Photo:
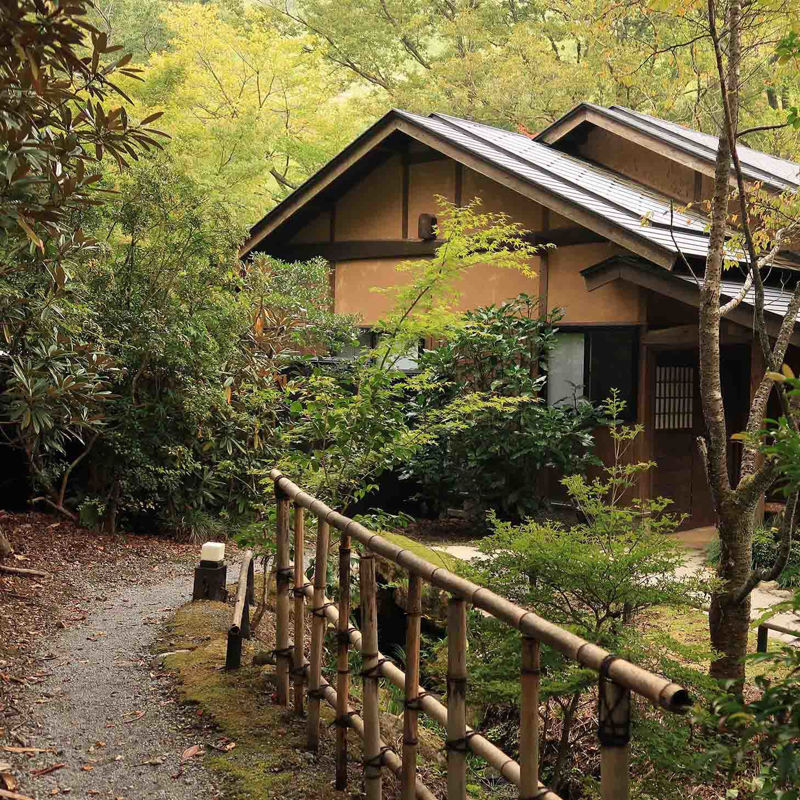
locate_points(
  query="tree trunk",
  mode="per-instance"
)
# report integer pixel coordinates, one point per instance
(729, 620)
(5, 547)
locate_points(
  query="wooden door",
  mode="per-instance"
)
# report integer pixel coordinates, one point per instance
(677, 421)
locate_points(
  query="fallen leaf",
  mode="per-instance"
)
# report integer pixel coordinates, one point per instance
(87, 767)
(137, 716)
(190, 752)
(8, 781)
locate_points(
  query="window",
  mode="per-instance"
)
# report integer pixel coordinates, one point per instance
(566, 368)
(369, 339)
(592, 362)
(674, 398)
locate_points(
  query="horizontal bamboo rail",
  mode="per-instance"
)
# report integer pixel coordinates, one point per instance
(763, 634)
(618, 678)
(240, 626)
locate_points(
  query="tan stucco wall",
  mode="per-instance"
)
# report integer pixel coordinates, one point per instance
(425, 181)
(373, 208)
(317, 230)
(500, 199)
(639, 163)
(615, 303)
(481, 285)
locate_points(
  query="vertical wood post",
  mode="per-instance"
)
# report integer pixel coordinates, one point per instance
(408, 777)
(283, 582)
(529, 719)
(456, 699)
(763, 639)
(369, 658)
(343, 663)
(318, 625)
(299, 608)
(614, 732)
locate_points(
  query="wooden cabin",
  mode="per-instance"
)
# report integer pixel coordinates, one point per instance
(609, 187)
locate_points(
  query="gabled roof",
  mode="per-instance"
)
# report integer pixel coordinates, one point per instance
(638, 218)
(777, 173)
(623, 211)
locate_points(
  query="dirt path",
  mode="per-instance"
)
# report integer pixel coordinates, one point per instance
(107, 711)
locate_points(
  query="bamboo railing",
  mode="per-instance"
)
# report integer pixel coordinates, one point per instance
(240, 625)
(617, 678)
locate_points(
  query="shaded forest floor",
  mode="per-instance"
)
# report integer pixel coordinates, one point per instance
(84, 710)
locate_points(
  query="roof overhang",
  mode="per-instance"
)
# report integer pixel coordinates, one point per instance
(648, 276)
(395, 121)
(614, 121)
(585, 113)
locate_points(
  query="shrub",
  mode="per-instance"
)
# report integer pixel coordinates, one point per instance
(495, 461)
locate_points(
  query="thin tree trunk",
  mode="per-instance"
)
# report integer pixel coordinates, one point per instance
(729, 618)
(5, 547)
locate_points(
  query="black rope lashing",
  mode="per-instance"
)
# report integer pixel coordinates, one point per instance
(285, 572)
(283, 652)
(344, 720)
(375, 670)
(611, 731)
(343, 637)
(460, 745)
(316, 694)
(413, 703)
(530, 671)
(299, 591)
(379, 759)
(299, 671)
(319, 611)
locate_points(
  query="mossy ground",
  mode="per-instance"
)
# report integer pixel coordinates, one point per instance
(269, 759)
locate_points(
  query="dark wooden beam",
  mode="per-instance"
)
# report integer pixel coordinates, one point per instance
(405, 248)
(458, 198)
(405, 193)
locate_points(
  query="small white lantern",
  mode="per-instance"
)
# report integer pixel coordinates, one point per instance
(213, 551)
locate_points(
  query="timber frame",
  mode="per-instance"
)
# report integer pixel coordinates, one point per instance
(376, 144)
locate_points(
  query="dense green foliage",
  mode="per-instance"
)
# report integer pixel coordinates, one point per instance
(596, 578)
(495, 461)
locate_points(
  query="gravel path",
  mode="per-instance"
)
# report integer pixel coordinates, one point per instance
(107, 711)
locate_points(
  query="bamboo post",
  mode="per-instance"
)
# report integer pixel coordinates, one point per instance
(343, 663)
(318, 625)
(456, 699)
(282, 583)
(299, 609)
(763, 639)
(411, 712)
(371, 666)
(614, 732)
(529, 718)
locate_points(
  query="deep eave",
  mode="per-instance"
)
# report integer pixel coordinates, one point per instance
(686, 289)
(672, 141)
(408, 124)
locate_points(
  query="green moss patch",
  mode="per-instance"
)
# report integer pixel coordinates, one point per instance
(269, 759)
(436, 557)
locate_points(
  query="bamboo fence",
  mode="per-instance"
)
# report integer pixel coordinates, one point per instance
(617, 678)
(240, 626)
